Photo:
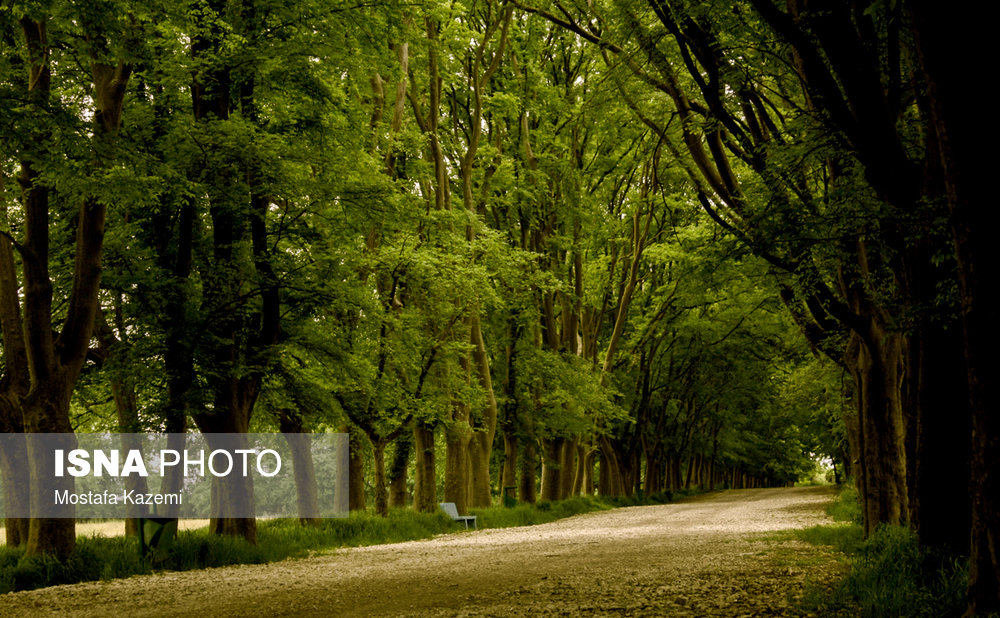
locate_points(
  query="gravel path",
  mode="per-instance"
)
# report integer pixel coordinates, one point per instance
(710, 556)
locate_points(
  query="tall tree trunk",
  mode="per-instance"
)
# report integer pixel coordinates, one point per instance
(567, 467)
(458, 434)
(232, 494)
(943, 38)
(54, 359)
(381, 488)
(508, 477)
(529, 461)
(588, 471)
(356, 470)
(47, 411)
(551, 468)
(611, 478)
(14, 385)
(941, 442)
(877, 369)
(398, 471)
(424, 476)
(482, 441)
(654, 479)
(15, 492)
(581, 468)
(456, 472)
(126, 408)
(306, 488)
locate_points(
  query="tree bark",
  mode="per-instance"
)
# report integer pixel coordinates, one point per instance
(877, 367)
(482, 440)
(306, 488)
(424, 476)
(381, 487)
(943, 38)
(54, 359)
(233, 494)
(356, 470)
(529, 462)
(14, 385)
(398, 471)
(551, 469)
(456, 472)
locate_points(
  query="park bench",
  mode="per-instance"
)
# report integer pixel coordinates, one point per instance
(452, 511)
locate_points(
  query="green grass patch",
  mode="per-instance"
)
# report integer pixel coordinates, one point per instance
(846, 538)
(890, 574)
(847, 506)
(114, 557)
(539, 513)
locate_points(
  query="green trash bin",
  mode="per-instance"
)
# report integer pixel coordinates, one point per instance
(156, 537)
(510, 496)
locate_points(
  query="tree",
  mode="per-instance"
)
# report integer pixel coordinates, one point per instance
(800, 117)
(52, 359)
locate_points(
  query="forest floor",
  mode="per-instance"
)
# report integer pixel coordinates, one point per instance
(719, 554)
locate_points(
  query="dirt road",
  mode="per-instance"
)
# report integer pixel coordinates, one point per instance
(706, 557)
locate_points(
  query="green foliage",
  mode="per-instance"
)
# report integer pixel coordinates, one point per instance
(813, 393)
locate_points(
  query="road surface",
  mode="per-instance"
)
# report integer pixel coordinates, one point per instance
(715, 555)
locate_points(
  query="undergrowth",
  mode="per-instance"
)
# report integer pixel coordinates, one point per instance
(109, 558)
(890, 576)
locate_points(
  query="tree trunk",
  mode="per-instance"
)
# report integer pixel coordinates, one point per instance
(938, 511)
(173, 479)
(877, 367)
(54, 357)
(306, 488)
(943, 38)
(136, 484)
(458, 435)
(654, 477)
(398, 471)
(509, 475)
(381, 490)
(529, 461)
(611, 482)
(482, 446)
(15, 492)
(579, 477)
(588, 472)
(42, 415)
(567, 467)
(456, 471)
(551, 469)
(690, 472)
(13, 388)
(232, 494)
(424, 476)
(356, 470)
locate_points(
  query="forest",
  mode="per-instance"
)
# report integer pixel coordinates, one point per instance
(549, 247)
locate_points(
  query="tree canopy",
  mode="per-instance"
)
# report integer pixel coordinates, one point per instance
(618, 246)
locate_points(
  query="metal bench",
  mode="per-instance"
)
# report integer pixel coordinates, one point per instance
(452, 511)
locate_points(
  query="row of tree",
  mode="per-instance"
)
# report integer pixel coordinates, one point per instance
(561, 231)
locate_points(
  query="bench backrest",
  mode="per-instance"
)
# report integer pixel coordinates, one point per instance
(450, 509)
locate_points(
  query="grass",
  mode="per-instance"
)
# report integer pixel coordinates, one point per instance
(890, 574)
(105, 558)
